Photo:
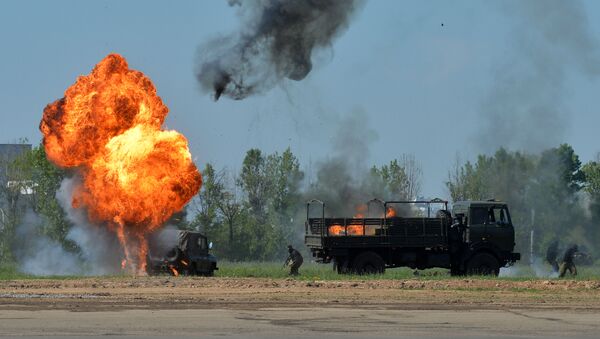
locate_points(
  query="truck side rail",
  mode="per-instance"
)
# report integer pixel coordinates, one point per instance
(364, 226)
(326, 227)
(308, 222)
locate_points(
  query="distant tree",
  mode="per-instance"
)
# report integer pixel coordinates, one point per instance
(255, 182)
(272, 198)
(592, 175)
(592, 188)
(542, 190)
(394, 180)
(400, 179)
(230, 207)
(30, 182)
(285, 196)
(207, 201)
(553, 194)
(47, 179)
(414, 175)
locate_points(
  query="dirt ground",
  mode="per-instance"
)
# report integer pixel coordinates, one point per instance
(248, 307)
(197, 292)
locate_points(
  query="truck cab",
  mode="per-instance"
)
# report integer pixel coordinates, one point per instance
(488, 227)
(181, 252)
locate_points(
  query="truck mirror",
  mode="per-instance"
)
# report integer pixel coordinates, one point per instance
(210, 245)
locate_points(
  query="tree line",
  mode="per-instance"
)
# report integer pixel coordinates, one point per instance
(551, 193)
(254, 213)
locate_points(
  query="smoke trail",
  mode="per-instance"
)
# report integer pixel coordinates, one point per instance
(276, 41)
(524, 109)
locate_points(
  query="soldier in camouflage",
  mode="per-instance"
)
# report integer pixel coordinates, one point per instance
(294, 260)
(568, 263)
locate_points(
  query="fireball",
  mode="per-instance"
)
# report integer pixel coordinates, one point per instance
(108, 130)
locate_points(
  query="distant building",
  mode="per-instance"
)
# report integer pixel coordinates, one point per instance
(8, 154)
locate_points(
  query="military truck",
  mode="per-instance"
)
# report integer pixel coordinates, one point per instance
(477, 237)
(180, 252)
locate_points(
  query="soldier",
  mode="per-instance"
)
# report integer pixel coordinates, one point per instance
(294, 260)
(456, 236)
(567, 262)
(552, 255)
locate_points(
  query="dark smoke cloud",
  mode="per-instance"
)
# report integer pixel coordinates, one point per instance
(345, 181)
(525, 108)
(340, 179)
(276, 41)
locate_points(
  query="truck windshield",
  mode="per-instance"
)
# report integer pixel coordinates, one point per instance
(202, 243)
(499, 215)
(489, 215)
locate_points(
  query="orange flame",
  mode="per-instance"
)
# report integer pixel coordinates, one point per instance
(390, 212)
(361, 210)
(355, 230)
(134, 175)
(337, 230)
(173, 270)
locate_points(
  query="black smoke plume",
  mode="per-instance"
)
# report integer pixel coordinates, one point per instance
(276, 41)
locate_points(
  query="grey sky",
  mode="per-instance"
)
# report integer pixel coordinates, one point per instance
(421, 84)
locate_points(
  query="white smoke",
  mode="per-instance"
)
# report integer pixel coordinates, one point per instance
(537, 268)
(100, 253)
(41, 255)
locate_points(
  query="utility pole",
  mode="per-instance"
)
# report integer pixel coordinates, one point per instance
(531, 237)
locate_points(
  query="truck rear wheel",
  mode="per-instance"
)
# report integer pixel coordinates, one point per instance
(455, 271)
(483, 264)
(340, 265)
(174, 255)
(368, 263)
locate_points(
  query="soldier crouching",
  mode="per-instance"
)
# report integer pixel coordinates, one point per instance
(294, 260)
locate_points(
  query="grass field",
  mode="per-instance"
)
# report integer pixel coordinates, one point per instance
(313, 271)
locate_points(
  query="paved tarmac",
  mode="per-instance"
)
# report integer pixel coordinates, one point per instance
(318, 322)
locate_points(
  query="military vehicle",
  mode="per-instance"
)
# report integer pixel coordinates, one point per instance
(476, 238)
(180, 252)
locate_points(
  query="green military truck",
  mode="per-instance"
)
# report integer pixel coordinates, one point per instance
(476, 238)
(178, 252)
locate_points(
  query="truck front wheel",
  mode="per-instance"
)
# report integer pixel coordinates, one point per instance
(483, 264)
(368, 263)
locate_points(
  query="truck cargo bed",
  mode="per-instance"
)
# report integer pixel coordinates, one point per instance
(377, 232)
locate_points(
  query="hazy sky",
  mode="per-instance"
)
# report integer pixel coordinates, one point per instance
(423, 86)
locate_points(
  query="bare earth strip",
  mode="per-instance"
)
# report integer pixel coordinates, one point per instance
(252, 307)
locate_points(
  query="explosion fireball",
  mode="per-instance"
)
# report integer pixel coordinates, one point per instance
(134, 175)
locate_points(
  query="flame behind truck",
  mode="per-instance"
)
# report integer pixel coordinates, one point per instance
(477, 237)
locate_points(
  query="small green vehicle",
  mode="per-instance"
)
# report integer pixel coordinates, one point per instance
(477, 237)
(180, 252)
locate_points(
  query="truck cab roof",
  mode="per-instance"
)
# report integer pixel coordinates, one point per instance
(462, 207)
